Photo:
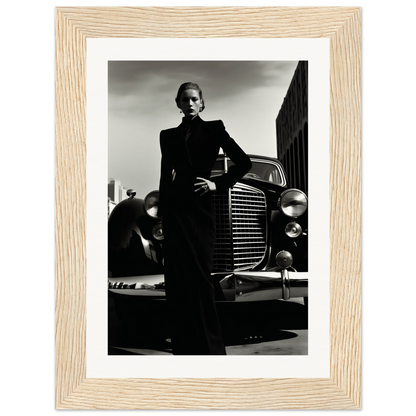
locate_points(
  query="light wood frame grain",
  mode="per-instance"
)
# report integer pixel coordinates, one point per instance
(343, 27)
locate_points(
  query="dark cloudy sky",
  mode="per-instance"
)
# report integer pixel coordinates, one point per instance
(246, 96)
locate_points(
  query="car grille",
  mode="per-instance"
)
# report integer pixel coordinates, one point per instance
(241, 241)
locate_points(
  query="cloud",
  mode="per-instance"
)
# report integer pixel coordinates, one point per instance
(216, 77)
(246, 95)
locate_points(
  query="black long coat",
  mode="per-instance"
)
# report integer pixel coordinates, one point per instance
(189, 229)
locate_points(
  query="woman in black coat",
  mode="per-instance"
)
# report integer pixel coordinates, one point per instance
(189, 152)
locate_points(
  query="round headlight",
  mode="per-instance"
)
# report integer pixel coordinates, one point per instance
(151, 203)
(284, 259)
(293, 202)
(293, 230)
(158, 232)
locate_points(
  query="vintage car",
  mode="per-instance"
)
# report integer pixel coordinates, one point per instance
(260, 252)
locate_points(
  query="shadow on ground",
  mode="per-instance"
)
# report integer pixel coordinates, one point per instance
(144, 330)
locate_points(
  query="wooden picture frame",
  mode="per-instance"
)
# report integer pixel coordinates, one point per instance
(342, 26)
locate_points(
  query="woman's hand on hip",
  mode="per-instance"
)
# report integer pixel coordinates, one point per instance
(205, 186)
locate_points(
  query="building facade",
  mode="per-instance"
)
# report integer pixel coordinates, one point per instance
(292, 130)
(116, 194)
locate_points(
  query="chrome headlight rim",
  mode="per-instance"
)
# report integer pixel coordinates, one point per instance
(286, 203)
(284, 259)
(157, 232)
(151, 204)
(293, 229)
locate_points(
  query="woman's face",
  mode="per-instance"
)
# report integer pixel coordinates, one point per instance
(190, 103)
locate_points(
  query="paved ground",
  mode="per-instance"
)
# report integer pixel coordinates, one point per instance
(293, 342)
(267, 328)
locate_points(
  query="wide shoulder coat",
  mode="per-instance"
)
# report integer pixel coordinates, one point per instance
(189, 151)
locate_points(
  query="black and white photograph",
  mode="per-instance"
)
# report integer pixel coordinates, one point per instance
(208, 207)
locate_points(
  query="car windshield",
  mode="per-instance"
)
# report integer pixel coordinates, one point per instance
(265, 171)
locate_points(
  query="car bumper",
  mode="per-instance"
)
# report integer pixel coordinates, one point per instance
(235, 287)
